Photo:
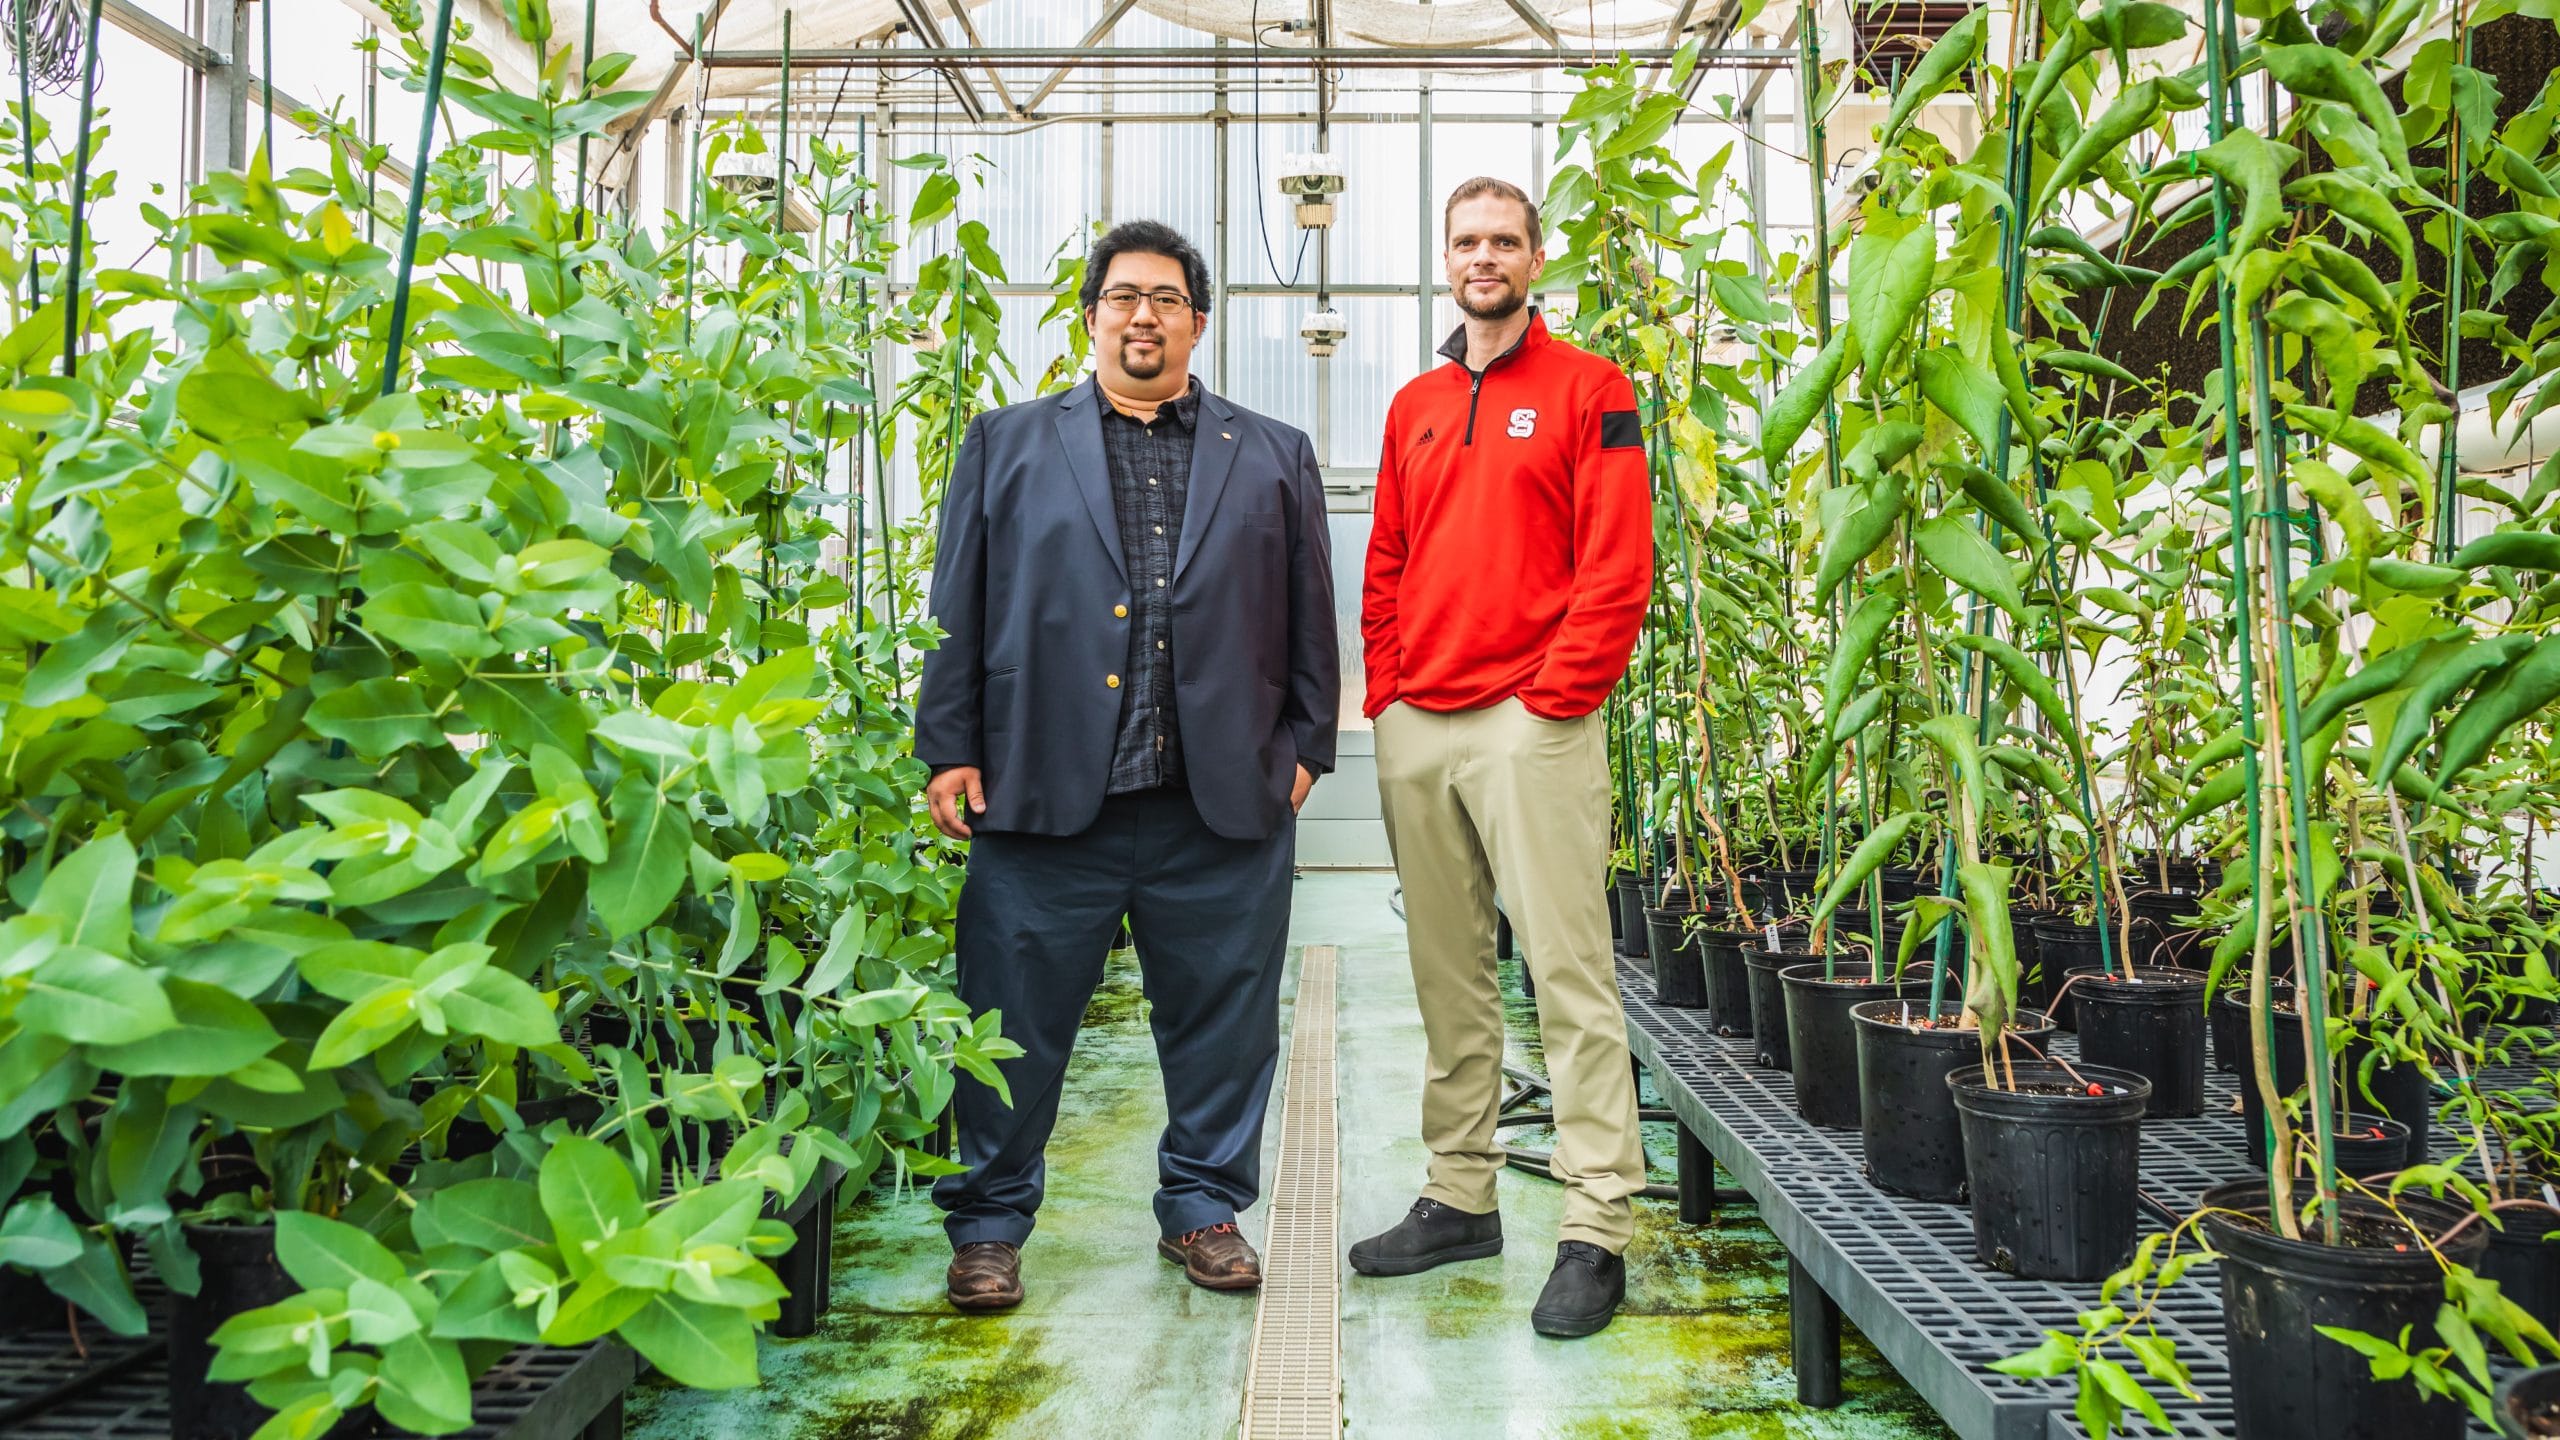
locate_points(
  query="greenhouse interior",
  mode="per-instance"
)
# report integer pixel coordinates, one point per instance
(659, 656)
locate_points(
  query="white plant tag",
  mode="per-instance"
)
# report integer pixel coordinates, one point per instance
(1773, 934)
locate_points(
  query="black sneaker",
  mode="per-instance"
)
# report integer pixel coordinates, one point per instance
(1430, 1234)
(1584, 1291)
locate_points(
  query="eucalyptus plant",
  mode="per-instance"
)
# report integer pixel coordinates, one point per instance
(386, 709)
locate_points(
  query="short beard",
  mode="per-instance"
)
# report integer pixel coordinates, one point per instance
(1140, 368)
(1502, 309)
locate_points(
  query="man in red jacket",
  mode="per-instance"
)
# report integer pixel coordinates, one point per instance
(1510, 561)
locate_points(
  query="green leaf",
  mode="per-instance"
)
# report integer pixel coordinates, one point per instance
(92, 998)
(1957, 551)
(1890, 267)
(2256, 166)
(1967, 393)
(324, 1254)
(706, 1347)
(35, 1235)
(2119, 123)
(1869, 857)
(2031, 681)
(1804, 397)
(2057, 1355)
(216, 1033)
(645, 870)
(589, 1196)
(425, 1387)
(2316, 72)
(490, 1215)
(376, 717)
(430, 621)
(1945, 61)
(89, 894)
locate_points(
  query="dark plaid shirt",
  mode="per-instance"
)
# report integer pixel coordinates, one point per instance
(1150, 481)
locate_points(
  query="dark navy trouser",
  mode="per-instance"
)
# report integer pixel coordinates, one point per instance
(1038, 917)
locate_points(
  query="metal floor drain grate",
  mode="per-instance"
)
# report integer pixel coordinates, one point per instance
(1293, 1387)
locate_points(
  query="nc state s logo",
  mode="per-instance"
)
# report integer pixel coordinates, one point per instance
(1524, 423)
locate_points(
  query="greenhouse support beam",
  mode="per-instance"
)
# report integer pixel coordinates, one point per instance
(920, 20)
(226, 82)
(995, 77)
(1100, 32)
(1338, 57)
(1544, 27)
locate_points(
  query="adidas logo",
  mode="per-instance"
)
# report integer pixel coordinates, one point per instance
(1427, 433)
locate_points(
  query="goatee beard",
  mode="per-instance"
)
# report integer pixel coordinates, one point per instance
(1501, 309)
(1140, 367)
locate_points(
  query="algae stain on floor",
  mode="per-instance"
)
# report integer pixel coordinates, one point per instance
(1113, 1345)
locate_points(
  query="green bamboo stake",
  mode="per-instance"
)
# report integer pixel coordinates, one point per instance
(782, 140)
(27, 137)
(2458, 254)
(693, 188)
(2306, 928)
(72, 263)
(586, 63)
(1817, 140)
(267, 78)
(417, 196)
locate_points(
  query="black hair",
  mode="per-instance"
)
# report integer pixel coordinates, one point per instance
(1145, 237)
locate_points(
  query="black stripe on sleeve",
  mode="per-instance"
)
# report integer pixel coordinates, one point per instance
(1621, 430)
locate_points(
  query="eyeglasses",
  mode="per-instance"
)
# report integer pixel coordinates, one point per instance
(1125, 298)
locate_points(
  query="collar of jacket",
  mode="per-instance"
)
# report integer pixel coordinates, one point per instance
(1455, 347)
(1089, 391)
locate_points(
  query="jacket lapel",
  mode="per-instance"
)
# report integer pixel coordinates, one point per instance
(1213, 455)
(1080, 437)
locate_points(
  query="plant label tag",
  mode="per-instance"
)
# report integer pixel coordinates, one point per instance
(1773, 934)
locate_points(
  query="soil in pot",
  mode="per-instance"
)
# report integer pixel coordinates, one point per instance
(1728, 983)
(1907, 1115)
(1630, 911)
(240, 1273)
(2525, 1262)
(1768, 1006)
(2528, 1406)
(1822, 1044)
(2053, 1166)
(2151, 1023)
(1672, 944)
(2287, 1379)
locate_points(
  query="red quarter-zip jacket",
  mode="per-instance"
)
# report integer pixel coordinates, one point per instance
(1511, 552)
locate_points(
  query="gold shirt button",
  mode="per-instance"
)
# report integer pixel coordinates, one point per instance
(1120, 611)
(1111, 680)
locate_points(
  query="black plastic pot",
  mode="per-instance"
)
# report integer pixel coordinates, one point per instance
(2528, 1405)
(1769, 1005)
(240, 1273)
(1906, 1113)
(1793, 891)
(1900, 883)
(468, 1136)
(1617, 917)
(2368, 1145)
(1821, 1042)
(2162, 930)
(1671, 942)
(2063, 947)
(2399, 1089)
(2053, 1170)
(2287, 1061)
(2227, 1020)
(2526, 1263)
(2036, 980)
(27, 1304)
(1728, 983)
(2151, 1024)
(2287, 1379)
(1631, 914)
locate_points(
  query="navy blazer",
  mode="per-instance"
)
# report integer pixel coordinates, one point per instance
(1032, 593)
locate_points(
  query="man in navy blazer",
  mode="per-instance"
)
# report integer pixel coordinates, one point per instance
(1137, 688)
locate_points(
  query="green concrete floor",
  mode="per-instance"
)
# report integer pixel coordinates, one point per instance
(1112, 1344)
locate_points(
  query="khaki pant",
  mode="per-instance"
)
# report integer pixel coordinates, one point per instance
(1492, 800)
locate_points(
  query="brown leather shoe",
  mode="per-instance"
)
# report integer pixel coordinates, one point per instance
(985, 1275)
(1215, 1259)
